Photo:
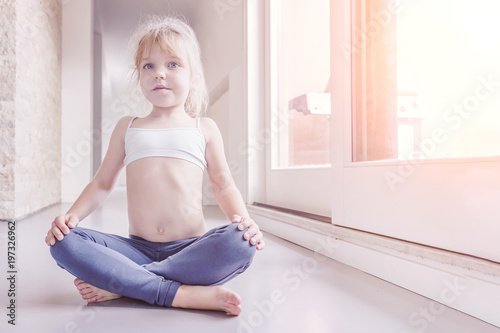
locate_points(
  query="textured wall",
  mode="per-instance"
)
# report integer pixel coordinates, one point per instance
(30, 106)
(7, 114)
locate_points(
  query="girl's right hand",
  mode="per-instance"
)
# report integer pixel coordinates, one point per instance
(60, 227)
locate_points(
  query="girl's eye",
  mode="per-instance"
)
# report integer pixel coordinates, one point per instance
(148, 66)
(173, 65)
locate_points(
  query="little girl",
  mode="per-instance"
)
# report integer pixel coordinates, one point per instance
(169, 259)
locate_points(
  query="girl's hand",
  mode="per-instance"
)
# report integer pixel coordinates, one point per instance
(253, 233)
(60, 227)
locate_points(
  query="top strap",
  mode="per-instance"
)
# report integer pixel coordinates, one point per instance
(198, 122)
(131, 120)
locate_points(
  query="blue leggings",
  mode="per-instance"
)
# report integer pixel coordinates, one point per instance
(152, 271)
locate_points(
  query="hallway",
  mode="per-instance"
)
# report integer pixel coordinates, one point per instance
(287, 289)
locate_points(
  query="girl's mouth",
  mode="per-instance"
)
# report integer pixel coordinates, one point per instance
(160, 87)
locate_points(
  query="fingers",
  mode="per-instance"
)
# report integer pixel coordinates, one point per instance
(49, 239)
(261, 245)
(245, 222)
(60, 227)
(73, 221)
(236, 219)
(60, 223)
(53, 235)
(57, 232)
(253, 234)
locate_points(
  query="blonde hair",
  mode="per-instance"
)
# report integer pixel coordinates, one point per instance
(174, 35)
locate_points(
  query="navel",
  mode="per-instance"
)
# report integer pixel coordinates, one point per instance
(161, 231)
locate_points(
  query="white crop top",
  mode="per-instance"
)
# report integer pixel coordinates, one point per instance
(184, 143)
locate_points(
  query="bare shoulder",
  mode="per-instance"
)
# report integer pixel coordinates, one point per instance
(113, 160)
(124, 121)
(121, 126)
(118, 135)
(215, 156)
(209, 128)
(117, 140)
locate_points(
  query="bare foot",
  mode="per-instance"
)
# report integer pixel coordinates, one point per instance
(208, 298)
(93, 294)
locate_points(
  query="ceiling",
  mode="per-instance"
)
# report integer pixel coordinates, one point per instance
(118, 16)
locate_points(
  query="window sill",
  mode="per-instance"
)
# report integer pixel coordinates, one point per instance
(402, 263)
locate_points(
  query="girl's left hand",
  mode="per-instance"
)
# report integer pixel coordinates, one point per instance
(253, 233)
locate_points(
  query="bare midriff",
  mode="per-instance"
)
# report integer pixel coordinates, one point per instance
(164, 197)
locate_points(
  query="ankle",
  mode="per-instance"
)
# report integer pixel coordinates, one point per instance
(180, 298)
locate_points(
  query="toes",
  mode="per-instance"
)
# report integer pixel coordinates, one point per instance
(92, 299)
(233, 298)
(232, 304)
(80, 284)
(85, 291)
(92, 294)
(82, 287)
(233, 309)
(88, 295)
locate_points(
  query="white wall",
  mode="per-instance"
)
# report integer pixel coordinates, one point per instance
(236, 133)
(220, 34)
(77, 33)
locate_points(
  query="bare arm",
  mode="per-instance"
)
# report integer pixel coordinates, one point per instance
(97, 190)
(227, 195)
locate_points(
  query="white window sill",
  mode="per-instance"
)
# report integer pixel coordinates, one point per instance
(421, 269)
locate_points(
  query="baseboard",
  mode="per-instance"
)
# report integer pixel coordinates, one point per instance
(467, 284)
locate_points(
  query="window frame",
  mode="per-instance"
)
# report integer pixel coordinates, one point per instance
(294, 187)
(352, 180)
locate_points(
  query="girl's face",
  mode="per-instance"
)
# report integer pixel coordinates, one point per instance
(164, 78)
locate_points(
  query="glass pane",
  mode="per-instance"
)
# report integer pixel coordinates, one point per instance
(300, 76)
(426, 79)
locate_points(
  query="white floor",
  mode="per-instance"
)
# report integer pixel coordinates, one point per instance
(287, 289)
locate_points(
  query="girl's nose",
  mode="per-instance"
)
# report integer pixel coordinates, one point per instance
(160, 74)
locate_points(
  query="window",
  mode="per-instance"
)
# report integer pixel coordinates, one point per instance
(298, 155)
(300, 75)
(425, 79)
(415, 97)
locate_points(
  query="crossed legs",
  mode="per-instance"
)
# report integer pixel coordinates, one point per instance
(167, 274)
